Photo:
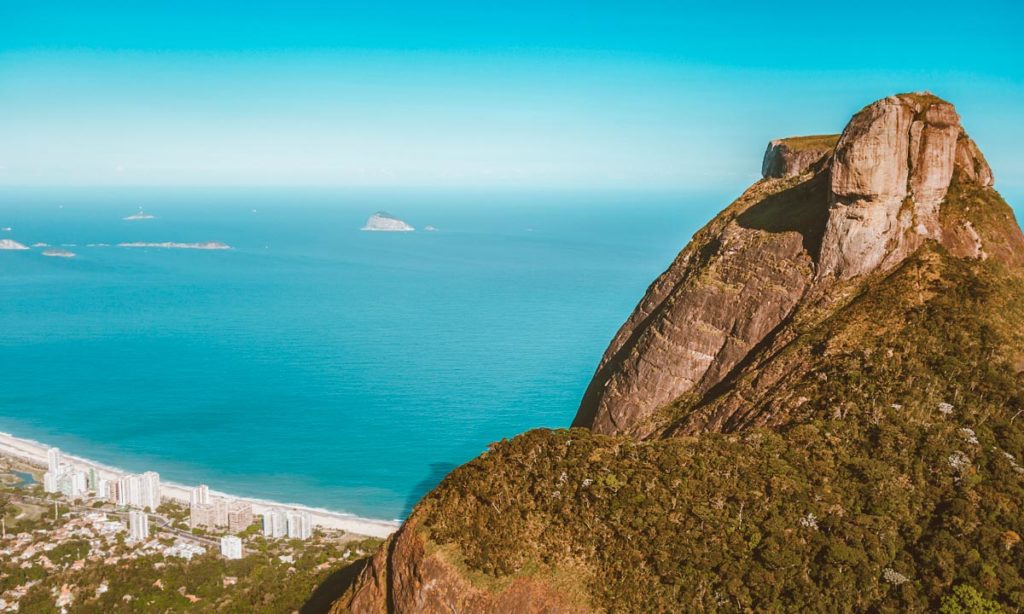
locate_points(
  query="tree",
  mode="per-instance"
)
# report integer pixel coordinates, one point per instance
(966, 600)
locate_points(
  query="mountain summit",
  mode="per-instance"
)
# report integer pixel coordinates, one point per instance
(829, 209)
(816, 407)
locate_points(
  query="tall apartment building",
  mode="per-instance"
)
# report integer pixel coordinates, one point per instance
(150, 490)
(300, 525)
(53, 460)
(138, 525)
(102, 488)
(275, 523)
(295, 524)
(239, 516)
(139, 491)
(231, 547)
(234, 515)
(200, 495)
(72, 484)
(50, 482)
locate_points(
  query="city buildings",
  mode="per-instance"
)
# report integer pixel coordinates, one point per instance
(294, 524)
(141, 491)
(200, 495)
(50, 482)
(183, 549)
(138, 525)
(53, 460)
(275, 523)
(150, 490)
(204, 516)
(235, 515)
(300, 525)
(231, 547)
(72, 484)
(55, 470)
(102, 488)
(239, 516)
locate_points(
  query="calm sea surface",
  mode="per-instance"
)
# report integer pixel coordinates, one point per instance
(314, 363)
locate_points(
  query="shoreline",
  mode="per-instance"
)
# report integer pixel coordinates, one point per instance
(34, 453)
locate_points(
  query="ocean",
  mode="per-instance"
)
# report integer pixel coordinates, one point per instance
(313, 363)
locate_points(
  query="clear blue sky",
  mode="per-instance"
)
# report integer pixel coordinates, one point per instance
(415, 93)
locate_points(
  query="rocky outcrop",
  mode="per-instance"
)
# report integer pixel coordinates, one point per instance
(796, 155)
(739, 278)
(11, 244)
(892, 168)
(403, 577)
(382, 221)
(815, 220)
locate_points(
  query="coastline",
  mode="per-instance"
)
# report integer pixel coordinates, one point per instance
(34, 453)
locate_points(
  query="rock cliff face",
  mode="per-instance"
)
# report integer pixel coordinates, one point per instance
(429, 583)
(796, 155)
(859, 209)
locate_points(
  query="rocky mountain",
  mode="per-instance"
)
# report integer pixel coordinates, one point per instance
(859, 209)
(817, 406)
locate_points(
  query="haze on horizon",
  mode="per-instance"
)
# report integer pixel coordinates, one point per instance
(476, 94)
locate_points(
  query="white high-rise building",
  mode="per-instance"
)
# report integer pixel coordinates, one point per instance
(231, 547)
(138, 525)
(300, 525)
(139, 491)
(51, 482)
(102, 488)
(72, 484)
(150, 490)
(53, 460)
(124, 490)
(275, 523)
(200, 495)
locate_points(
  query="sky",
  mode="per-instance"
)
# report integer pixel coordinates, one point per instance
(632, 95)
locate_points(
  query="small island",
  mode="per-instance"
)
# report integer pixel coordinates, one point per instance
(383, 221)
(11, 244)
(172, 245)
(59, 253)
(141, 215)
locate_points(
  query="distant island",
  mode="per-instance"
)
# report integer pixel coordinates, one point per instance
(383, 221)
(141, 215)
(171, 245)
(59, 253)
(11, 244)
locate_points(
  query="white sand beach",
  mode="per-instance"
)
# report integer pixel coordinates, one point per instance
(35, 453)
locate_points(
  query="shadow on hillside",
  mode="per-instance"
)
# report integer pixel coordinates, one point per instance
(333, 587)
(802, 208)
(434, 477)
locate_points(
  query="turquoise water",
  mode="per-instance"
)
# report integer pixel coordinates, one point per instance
(315, 363)
(26, 479)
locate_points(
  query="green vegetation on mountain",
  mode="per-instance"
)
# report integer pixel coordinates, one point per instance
(899, 480)
(817, 141)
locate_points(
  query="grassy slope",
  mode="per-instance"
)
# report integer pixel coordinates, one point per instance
(809, 514)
